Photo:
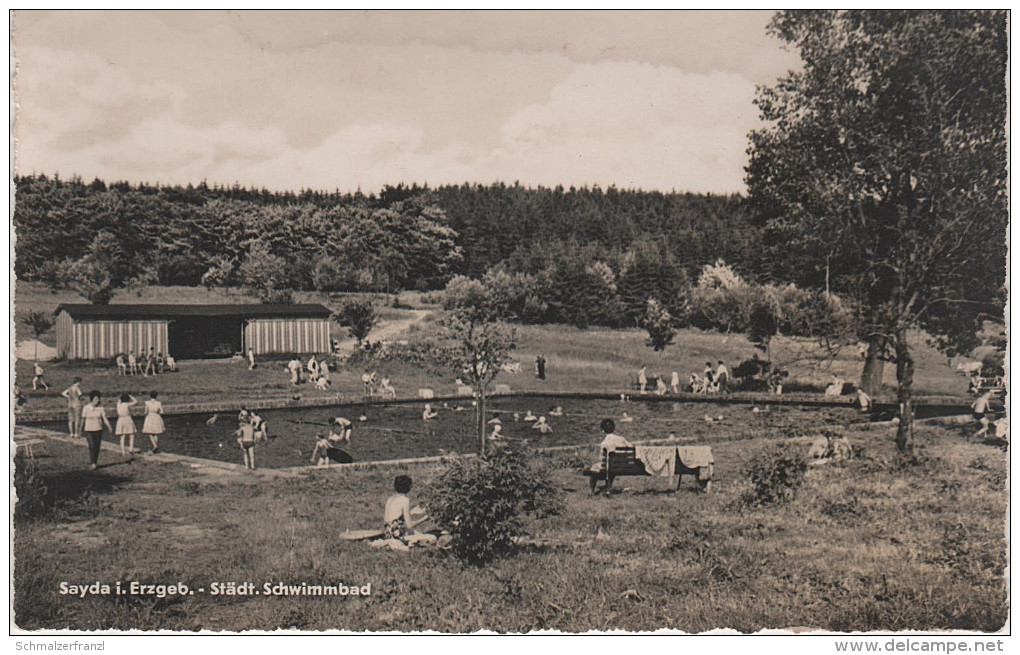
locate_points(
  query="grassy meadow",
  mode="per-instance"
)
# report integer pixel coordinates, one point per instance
(597, 360)
(875, 544)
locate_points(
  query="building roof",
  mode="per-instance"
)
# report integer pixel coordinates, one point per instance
(141, 312)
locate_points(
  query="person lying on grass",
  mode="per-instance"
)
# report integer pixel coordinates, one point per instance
(398, 526)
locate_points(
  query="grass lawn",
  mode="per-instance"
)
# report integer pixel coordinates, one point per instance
(600, 360)
(875, 544)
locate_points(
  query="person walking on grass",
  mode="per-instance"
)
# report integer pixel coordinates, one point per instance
(245, 434)
(94, 416)
(125, 424)
(251, 359)
(642, 378)
(121, 364)
(38, 378)
(153, 425)
(674, 382)
(73, 394)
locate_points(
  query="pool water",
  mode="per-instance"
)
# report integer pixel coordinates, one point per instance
(397, 431)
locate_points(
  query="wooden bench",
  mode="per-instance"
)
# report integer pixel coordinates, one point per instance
(620, 461)
(623, 461)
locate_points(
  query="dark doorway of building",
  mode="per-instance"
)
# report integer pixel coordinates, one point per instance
(204, 337)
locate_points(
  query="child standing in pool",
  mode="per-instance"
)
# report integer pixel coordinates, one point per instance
(153, 425)
(245, 434)
(125, 424)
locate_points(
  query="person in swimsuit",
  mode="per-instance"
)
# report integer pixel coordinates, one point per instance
(397, 521)
(73, 394)
(245, 434)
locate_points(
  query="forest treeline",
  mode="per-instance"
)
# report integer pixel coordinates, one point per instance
(96, 237)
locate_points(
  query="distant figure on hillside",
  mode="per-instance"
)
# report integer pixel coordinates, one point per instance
(387, 389)
(722, 377)
(150, 363)
(660, 387)
(540, 367)
(313, 368)
(121, 365)
(294, 366)
(38, 378)
(260, 426)
(497, 432)
(864, 400)
(251, 359)
(428, 413)
(324, 371)
(556, 411)
(529, 417)
(626, 418)
(132, 363)
(368, 380)
(322, 384)
(696, 384)
(835, 387)
(980, 408)
(642, 378)
(542, 426)
(674, 382)
(708, 375)
(160, 362)
(171, 363)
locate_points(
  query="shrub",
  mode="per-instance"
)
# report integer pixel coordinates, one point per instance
(775, 476)
(483, 501)
(34, 497)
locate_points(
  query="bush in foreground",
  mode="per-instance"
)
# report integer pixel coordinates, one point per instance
(483, 501)
(775, 476)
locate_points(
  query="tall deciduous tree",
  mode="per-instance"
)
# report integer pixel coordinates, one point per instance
(882, 166)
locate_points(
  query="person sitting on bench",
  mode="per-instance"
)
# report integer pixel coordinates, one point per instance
(609, 444)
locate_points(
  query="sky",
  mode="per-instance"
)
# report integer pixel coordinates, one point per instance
(357, 100)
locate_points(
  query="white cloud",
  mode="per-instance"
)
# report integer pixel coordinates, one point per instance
(159, 104)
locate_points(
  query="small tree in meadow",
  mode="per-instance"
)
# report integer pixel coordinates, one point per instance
(39, 323)
(482, 341)
(483, 501)
(659, 324)
(359, 317)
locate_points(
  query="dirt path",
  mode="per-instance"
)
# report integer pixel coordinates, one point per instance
(387, 330)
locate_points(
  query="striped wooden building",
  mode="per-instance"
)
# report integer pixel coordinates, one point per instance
(190, 331)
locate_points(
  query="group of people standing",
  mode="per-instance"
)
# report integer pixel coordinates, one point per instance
(318, 371)
(146, 364)
(714, 379)
(88, 419)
